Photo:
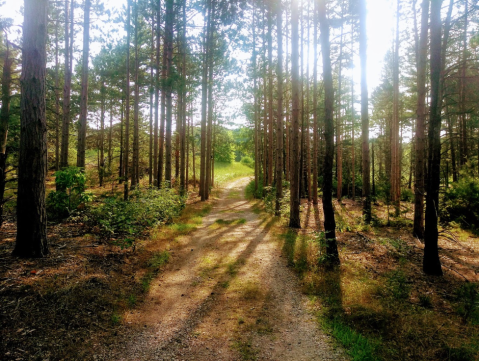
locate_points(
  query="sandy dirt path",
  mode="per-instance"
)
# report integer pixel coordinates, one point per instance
(227, 294)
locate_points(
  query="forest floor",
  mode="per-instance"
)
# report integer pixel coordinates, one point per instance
(228, 281)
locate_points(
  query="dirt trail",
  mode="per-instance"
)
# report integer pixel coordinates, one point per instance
(226, 295)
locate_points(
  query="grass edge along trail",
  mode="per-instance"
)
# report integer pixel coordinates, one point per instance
(378, 305)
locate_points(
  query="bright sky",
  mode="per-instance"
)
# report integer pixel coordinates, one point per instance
(380, 24)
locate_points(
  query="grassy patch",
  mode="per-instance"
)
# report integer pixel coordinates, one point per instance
(245, 349)
(359, 347)
(225, 172)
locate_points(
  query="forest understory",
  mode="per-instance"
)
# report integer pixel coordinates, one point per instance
(89, 296)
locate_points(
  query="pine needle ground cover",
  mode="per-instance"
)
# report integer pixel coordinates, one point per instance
(379, 304)
(59, 307)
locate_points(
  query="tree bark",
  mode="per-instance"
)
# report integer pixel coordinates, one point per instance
(315, 106)
(31, 238)
(135, 177)
(364, 113)
(84, 88)
(58, 116)
(101, 147)
(66, 92)
(156, 182)
(279, 123)
(419, 190)
(204, 105)
(4, 123)
(395, 157)
(329, 221)
(127, 103)
(168, 91)
(294, 219)
(431, 263)
(270, 96)
(339, 145)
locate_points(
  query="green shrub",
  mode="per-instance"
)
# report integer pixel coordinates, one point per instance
(468, 302)
(398, 285)
(125, 220)
(407, 195)
(70, 195)
(247, 161)
(250, 192)
(461, 203)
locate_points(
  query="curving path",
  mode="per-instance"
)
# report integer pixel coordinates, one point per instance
(226, 295)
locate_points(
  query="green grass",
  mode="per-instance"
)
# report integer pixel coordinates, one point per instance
(225, 172)
(159, 259)
(357, 346)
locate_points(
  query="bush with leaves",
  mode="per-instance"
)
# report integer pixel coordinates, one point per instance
(247, 161)
(461, 203)
(123, 221)
(70, 194)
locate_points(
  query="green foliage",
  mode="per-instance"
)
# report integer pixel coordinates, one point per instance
(159, 259)
(225, 172)
(223, 145)
(468, 302)
(250, 192)
(398, 285)
(70, 195)
(247, 161)
(461, 202)
(125, 220)
(358, 347)
(407, 195)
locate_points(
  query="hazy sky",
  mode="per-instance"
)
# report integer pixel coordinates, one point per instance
(380, 23)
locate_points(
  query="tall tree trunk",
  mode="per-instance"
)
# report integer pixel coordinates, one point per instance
(122, 144)
(66, 92)
(432, 264)
(353, 123)
(279, 123)
(395, 156)
(135, 178)
(419, 190)
(183, 164)
(308, 125)
(4, 123)
(101, 147)
(31, 238)
(287, 110)
(442, 97)
(255, 108)
(127, 102)
(84, 88)
(209, 130)
(161, 155)
(193, 155)
(110, 137)
(156, 182)
(152, 91)
(315, 106)
(329, 222)
(270, 96)
(339, 145)
(462, 92)
(169, 20)
(58, 118)
(294, 218)
(204, 104)
(364, 113)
